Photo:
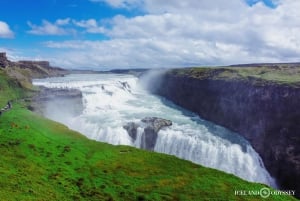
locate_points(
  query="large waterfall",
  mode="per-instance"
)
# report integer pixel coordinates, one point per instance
(110, 101)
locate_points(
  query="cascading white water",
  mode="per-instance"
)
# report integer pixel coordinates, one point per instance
(110, 101)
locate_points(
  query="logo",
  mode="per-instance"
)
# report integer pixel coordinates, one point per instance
(264, 192)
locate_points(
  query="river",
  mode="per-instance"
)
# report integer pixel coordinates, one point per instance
(112, 100)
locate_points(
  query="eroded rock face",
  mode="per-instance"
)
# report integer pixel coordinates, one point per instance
(131, 128)
(36, 69)
(266, 114)
(152, 126)
(3, 60)
(156, 123)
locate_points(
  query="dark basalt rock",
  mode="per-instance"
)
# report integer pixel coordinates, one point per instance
(152, 126)
(3, 60)
(156, 123)
(265, 113)
(131, 129)
(149, 138)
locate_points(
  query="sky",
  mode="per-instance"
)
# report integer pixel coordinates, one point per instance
(109, 34)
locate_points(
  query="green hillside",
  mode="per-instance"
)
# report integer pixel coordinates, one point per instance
(43, 160)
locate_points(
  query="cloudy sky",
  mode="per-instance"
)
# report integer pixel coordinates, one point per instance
(103, 34)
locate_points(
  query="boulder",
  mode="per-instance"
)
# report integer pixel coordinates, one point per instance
(152, 126)
(156, 123)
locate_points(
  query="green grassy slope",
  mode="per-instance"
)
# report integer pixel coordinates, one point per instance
(43, 160)
(9, 89)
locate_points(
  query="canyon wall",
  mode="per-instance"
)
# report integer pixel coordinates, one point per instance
(264, 112)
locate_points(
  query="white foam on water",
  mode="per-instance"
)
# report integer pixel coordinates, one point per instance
(110, 101)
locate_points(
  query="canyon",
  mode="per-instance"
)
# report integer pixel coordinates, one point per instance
(264, 111)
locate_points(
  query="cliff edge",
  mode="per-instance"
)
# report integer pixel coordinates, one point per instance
(24, 71)
(260, 103)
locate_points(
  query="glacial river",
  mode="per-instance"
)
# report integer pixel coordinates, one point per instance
(111, 100)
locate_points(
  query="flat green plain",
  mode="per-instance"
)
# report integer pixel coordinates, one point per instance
(260, 74)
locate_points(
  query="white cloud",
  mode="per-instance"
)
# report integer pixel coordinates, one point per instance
(189, 33)
(62, 22)
(48, 28)
(90, 25)
(86, 23)
(152, 53)
(5, 31)
(121, 3)
(66, 26)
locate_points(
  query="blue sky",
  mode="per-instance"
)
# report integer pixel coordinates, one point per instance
(103, 34)
(19, 14)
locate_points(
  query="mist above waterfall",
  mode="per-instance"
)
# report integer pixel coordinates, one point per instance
(151, 79)
(111, 101)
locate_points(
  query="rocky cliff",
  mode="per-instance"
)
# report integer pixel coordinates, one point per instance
(262, 104)
(3, 60)
(24, 71)
(151, 127)
(30, 69)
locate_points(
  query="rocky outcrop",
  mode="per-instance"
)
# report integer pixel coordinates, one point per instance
(40, 69)
(31, 69)
(131, 129)
(151, 126)
(3, 60)
(155, 123)
(265, 113)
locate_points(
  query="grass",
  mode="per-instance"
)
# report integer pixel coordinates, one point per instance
(261, 74)
(10, 89)
(44, 160)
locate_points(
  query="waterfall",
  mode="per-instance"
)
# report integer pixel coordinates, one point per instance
(110, 101)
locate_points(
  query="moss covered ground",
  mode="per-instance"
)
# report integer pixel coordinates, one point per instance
(278, 74)
(44, 160)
